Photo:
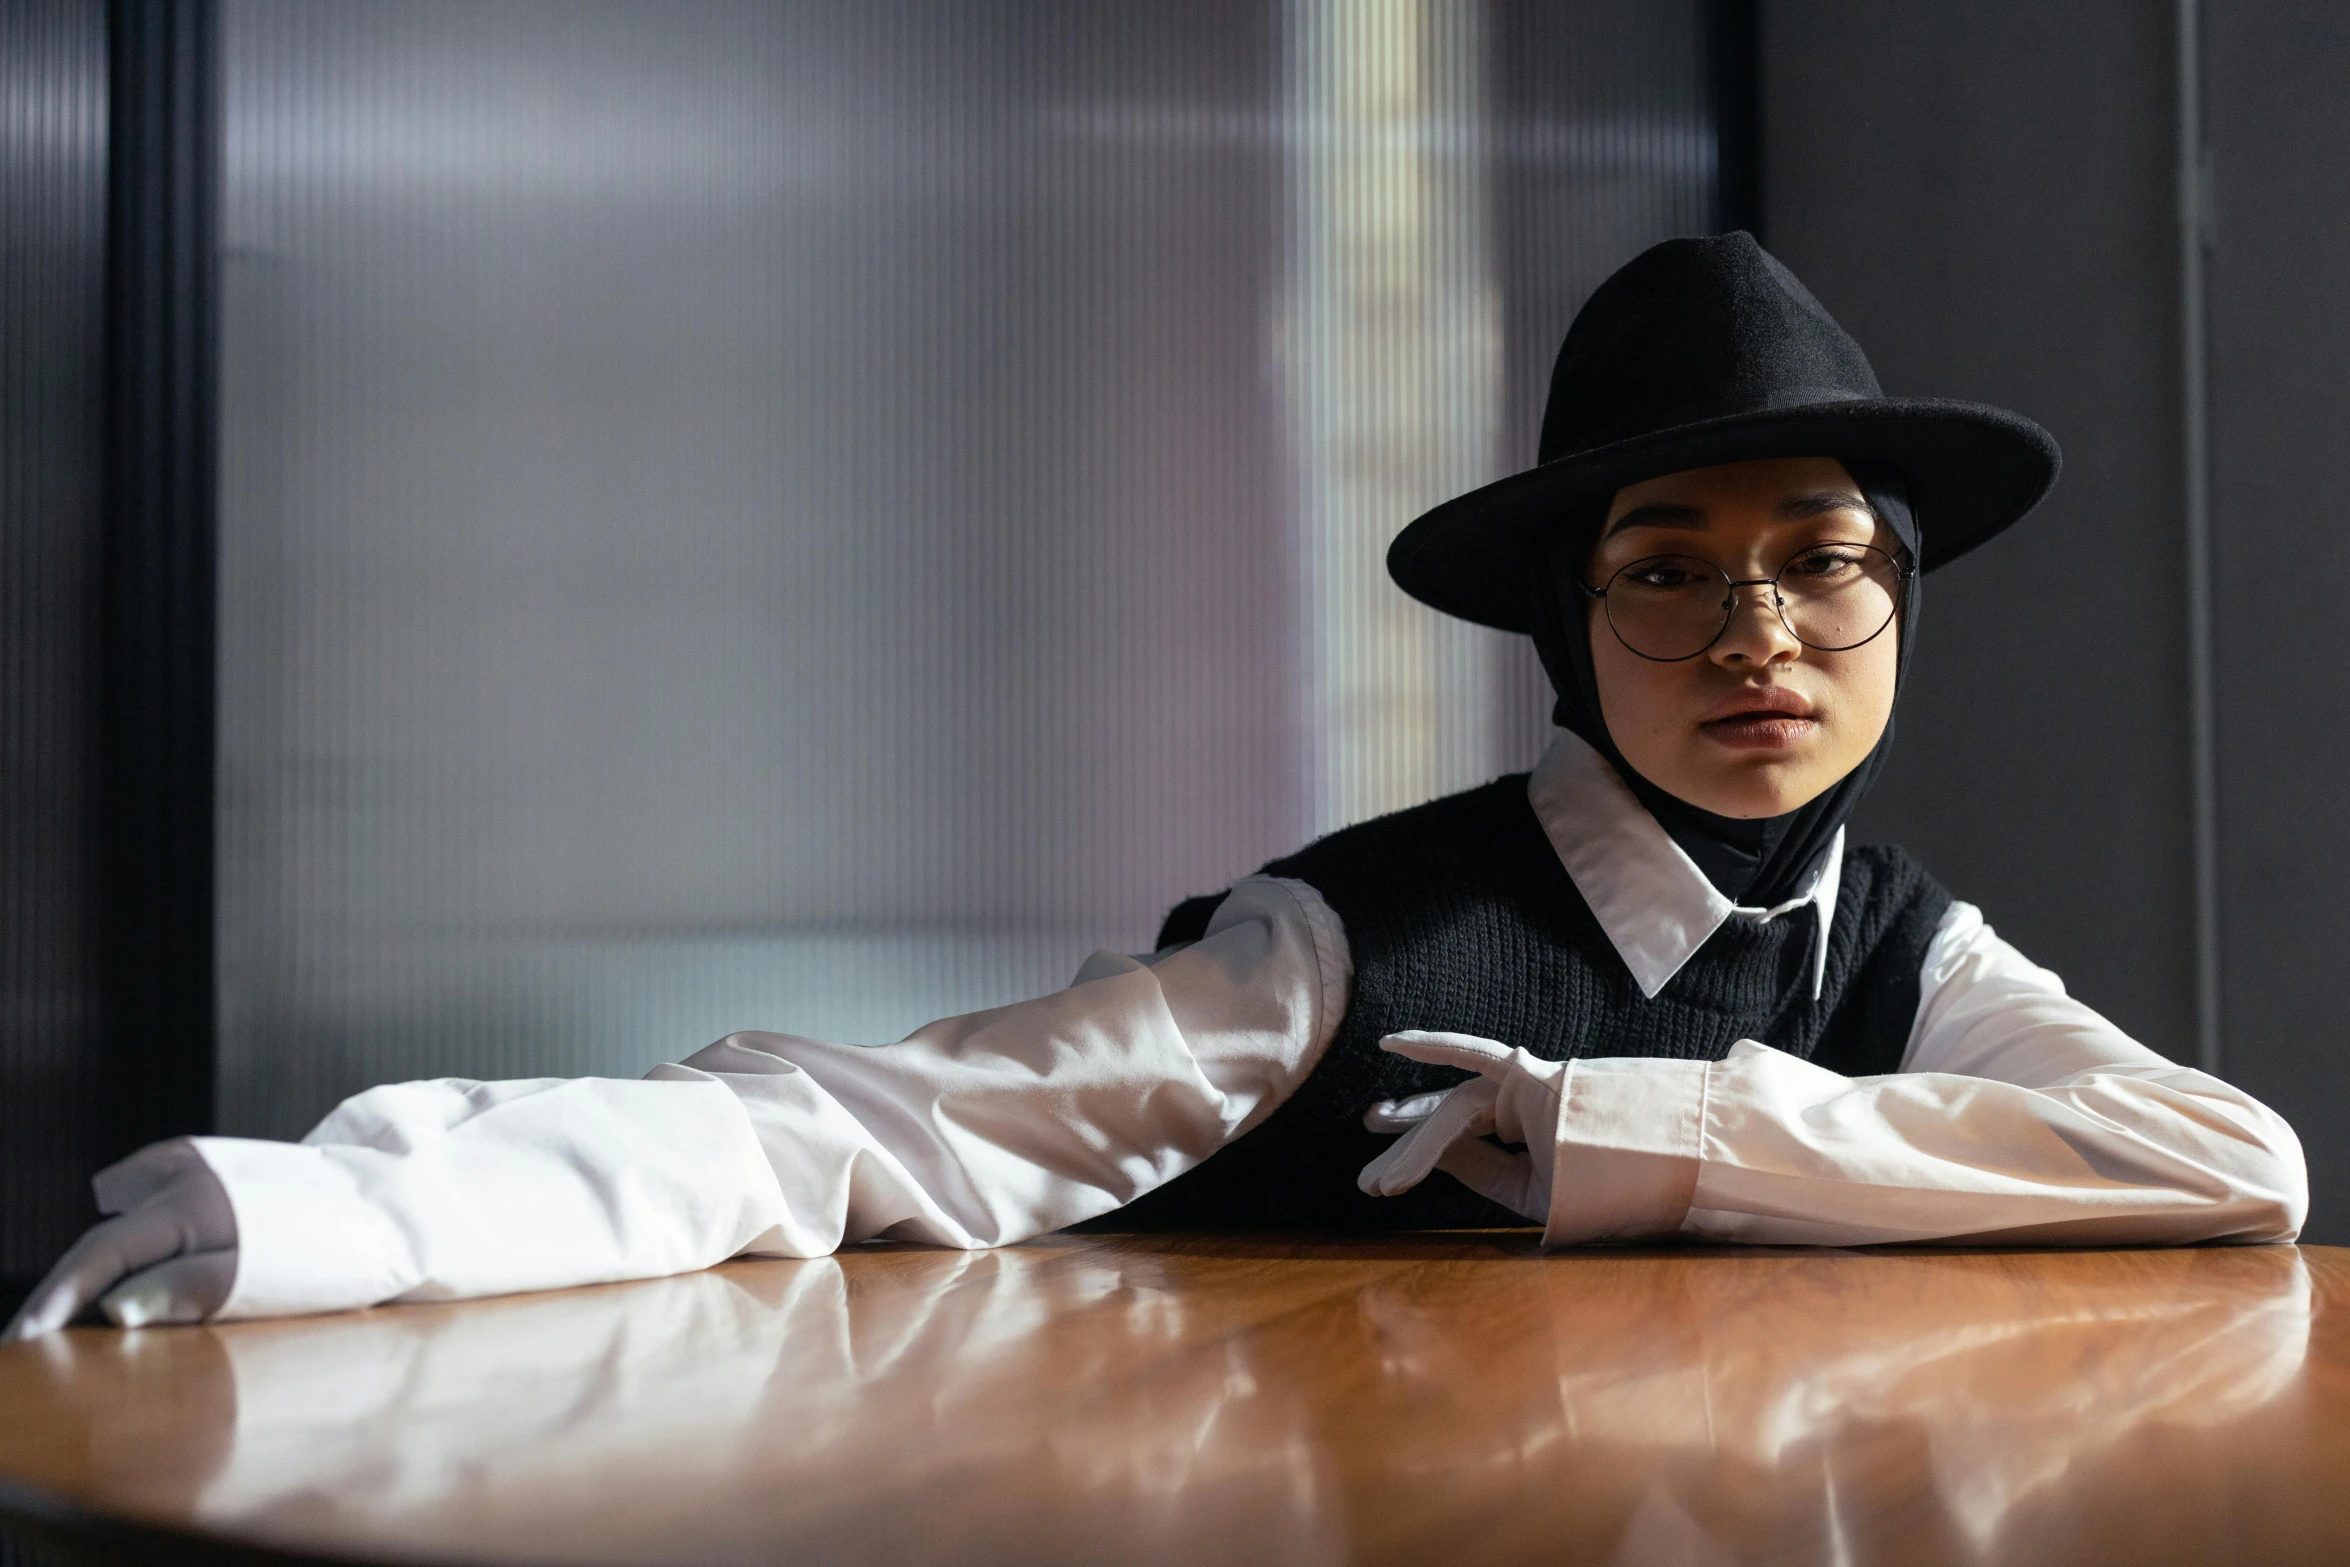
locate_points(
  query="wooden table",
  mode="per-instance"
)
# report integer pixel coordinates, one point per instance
(1453, 1398)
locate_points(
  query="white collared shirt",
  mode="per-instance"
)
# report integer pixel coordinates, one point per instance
(1654, 903)
(2019, 1115)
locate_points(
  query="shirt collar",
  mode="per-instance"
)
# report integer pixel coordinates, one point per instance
(1654, 903)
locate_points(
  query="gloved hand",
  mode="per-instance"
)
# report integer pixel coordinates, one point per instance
(169, 1255)
(1514, 1097)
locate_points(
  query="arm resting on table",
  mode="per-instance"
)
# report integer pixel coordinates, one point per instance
(2020, 1117)
(987, 1129)
(975, 1131)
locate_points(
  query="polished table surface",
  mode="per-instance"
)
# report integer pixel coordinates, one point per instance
(1457, 1397)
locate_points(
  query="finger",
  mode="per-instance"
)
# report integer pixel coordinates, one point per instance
(1466, 1051)
(126, 1183)
(1401, 1115)
(1499, 1176)
(185, 1289)
(1408, 1161)
(94, 1264)
(1467, 1111)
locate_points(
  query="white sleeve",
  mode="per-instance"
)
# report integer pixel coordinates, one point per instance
(975, 1131)
(2020, 1117)
(987, 1129)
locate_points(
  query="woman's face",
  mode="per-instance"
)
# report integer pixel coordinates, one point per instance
(1758, 724)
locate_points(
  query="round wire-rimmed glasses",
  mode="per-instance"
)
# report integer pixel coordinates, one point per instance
(1831, 598)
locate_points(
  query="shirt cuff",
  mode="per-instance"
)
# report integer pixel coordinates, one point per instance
(1630, 1131)
(308, 1239)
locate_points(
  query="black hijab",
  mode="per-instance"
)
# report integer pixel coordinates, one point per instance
(1758, 863)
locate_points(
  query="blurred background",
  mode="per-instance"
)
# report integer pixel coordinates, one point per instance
(828, 513)
(540, 532)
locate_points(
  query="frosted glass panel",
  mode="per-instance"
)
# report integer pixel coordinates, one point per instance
(814, 517)
(53, 1016)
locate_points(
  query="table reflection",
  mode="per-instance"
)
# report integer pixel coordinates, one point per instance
(1139, 1400)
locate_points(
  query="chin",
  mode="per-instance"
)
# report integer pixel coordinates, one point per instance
(1748, 795)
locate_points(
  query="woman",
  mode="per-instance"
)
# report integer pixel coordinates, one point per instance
(1683, 1004)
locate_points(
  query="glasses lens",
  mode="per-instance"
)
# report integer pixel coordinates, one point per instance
(1668, 607)
(1838, 596)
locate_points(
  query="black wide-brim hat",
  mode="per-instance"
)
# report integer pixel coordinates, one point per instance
(1706, 351)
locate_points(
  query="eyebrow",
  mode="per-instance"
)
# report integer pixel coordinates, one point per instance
(1820, 502)
(1657, 514)
(1795, 508)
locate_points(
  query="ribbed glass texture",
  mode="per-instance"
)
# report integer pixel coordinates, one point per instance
(52, 347)
(814, 517)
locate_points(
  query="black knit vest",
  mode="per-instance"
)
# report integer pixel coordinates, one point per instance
(1459, 916)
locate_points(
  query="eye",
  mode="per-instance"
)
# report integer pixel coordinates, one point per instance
(1664, 574)
(1826, 562)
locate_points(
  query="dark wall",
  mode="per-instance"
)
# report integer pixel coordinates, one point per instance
(2280, 336)
(52, 279)
(1987, 197)
(1984, 196)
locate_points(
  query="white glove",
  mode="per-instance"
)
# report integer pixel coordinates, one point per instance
(1514, 1097)
(169, 1256)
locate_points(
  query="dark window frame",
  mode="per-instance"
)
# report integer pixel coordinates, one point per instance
(158, 696)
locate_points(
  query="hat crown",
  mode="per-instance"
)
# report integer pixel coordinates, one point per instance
(1693, 330)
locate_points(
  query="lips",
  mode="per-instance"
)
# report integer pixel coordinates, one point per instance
(1761, 718)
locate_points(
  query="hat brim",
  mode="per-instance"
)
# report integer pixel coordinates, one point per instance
(1972, 470)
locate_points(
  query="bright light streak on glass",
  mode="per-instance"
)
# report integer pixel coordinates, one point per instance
(1392, 373)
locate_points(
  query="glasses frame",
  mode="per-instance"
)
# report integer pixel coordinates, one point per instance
(1904, 572)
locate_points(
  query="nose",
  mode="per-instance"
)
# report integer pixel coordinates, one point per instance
(1755, 634)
